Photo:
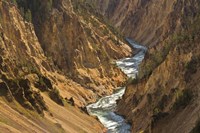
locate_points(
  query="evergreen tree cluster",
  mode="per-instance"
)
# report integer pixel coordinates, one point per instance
(29, 8)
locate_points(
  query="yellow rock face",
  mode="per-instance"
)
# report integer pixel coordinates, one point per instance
(46, 62)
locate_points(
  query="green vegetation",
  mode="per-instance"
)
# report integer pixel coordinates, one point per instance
(162, 102)
(132, 81)
(55, 96)
(191, 68)
(193, 65)
(33, 8)
(22, 92)
(183, 98)
(86, 10)
(156, 111)
(154, 60)
(25, 67)
(4, 91)
(14, 2)
(157, 115)
(41, 81)
(49, 6)
(183, 40)
(28, 16)
(4, 121)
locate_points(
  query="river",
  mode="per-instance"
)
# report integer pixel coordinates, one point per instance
(105, 107)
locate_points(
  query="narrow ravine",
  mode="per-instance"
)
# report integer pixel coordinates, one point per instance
(104, 109)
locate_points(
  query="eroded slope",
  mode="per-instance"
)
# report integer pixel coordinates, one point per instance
(52, 65)
(165, 97)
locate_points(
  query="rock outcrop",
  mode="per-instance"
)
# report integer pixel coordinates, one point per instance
(51, 55)
(81, 46)
(57, 56)
(165, 97)
(147, 21)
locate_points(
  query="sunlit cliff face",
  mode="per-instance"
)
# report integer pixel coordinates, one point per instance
(57, 62)
(147, 21)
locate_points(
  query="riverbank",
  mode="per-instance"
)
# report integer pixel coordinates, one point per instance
(104, 109)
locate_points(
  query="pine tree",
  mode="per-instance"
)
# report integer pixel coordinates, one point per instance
(28, 16)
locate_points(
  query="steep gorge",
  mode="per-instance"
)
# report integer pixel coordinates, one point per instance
(168, 99)
(54, 61)
(165, 95)
(57, 56)
(147, 21)
(80, 45)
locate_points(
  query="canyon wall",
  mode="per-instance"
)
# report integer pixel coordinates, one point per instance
(53, 62)
(57, 56)
(147, 21)
(165, 95)
(81, 47)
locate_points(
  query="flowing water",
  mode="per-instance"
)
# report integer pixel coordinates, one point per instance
(104, 109)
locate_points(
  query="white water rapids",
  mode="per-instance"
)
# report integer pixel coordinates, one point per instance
(105, 107)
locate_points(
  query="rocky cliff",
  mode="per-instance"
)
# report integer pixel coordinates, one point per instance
(80, 46)
(165, 96)
(57, 56)
(53, 58)
(147, 21)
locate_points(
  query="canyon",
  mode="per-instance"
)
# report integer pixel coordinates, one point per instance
(164, 96)
(53, 64)
(147, 21)
(105, 108)
(59, 56)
